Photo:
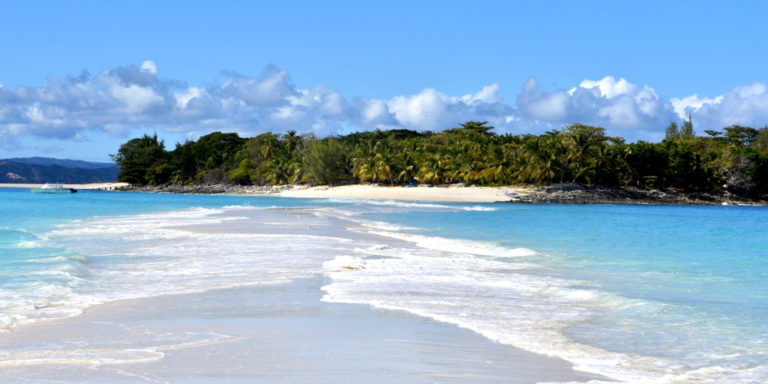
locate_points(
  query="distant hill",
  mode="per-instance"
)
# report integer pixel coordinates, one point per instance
(60, 162)
(48, 170)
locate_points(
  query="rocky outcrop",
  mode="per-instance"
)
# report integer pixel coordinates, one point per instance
(589, 194)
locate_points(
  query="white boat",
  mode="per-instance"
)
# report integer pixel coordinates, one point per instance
(53, 188)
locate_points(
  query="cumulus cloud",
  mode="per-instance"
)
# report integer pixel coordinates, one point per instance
(539, 104)
(745, 105)
(621, 107)
(122, 100)
(434, 111)
(119, 100)
(149, 66)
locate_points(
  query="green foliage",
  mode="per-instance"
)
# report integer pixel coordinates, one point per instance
(210, 157)
(672, 132)
(241, 175)
(733, 160)
(325, 162)
(140, 160)
(686, 131)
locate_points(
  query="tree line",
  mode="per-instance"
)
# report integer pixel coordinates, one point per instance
(734, 159)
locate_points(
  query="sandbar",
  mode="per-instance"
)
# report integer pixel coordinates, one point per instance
(278, 332)
(272, 333)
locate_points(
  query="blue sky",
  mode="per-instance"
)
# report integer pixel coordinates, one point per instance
(79, 78)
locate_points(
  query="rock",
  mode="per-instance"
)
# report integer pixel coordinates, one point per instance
(590, 194)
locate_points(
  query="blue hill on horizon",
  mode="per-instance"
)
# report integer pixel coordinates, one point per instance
(48, 170)
(66, 163)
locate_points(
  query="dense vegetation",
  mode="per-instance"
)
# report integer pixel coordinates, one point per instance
(733, 160)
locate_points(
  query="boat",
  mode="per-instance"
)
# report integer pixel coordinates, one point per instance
(53, 188)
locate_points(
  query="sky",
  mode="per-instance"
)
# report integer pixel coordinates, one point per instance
(79, 78)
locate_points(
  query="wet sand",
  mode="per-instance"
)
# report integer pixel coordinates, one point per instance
(274, 333)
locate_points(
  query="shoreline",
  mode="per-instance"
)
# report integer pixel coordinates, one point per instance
(267, 333)
(553, 194)
(265, 330)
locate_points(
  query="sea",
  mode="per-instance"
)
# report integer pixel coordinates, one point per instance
(633, 293)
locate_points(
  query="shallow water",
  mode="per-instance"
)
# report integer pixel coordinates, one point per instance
(640, 293)
(661, 294)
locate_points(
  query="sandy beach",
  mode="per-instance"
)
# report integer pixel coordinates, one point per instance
(421, 193)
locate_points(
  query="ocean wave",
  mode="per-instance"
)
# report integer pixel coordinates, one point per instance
(132, 256)
(479, 208)
(414, 204)
(496, 298)
(27, 244)
(458, 245)
(387, 226)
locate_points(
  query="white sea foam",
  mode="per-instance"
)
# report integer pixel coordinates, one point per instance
(135, 256)
(415, 205)
(29, 244)
(395, 203)
(418, 205)
(344, 263)
(455, 281)
(388, 226)
(109, 356)
(479, 208)
(483, 295)
(458, 245)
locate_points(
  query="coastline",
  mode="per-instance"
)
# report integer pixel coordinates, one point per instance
(350, 251)
(553, 194)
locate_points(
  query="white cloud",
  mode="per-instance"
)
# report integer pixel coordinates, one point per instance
(426, 109)
(608, 87)
(623, 108)
(149, 66)
(134, 99)
(434, 111)
(183, 98)
(745, 105)
(489, 94)
(691, 103)
(273, 88)
(538, 104)
(376, 112)
(118, 101)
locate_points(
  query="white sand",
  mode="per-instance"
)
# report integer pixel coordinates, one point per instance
(91, 186)
(268, 334)
(423, 193)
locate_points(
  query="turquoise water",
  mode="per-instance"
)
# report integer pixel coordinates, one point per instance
(684, 283)
(651, 294)
(42, 278)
